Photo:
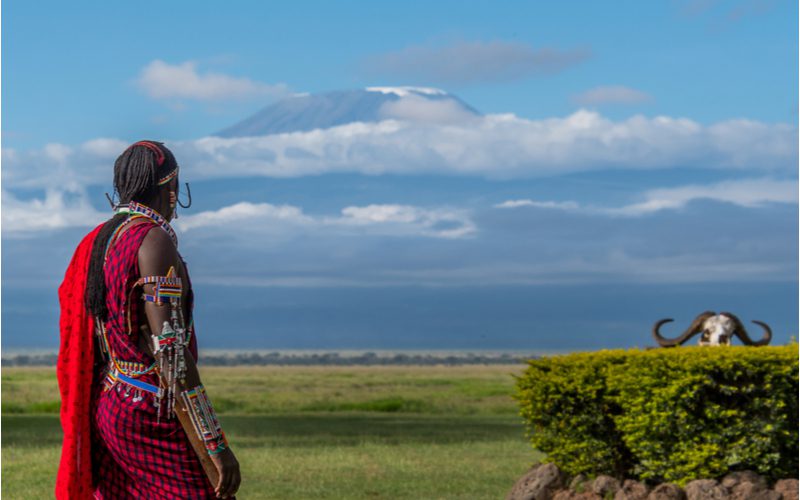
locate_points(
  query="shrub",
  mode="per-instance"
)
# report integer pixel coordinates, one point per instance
(665, 414)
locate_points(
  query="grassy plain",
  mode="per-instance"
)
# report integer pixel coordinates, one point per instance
(349, 432)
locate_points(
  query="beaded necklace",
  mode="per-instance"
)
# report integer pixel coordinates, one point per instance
(133, 208)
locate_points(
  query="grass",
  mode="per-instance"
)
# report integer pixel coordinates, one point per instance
(321, 432)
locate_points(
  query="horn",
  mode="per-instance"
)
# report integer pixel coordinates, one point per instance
(693, 330)
(741, 332)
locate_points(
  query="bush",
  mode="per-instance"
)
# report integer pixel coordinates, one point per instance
(665, 414)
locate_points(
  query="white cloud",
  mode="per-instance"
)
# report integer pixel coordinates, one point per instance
(396, 220)
(561, 205)
(58, 209)
(492, 146)
(104, 147)
(161, 80)
(467, 62)
(750, 193)
(243, 212)
(442, 223)
(58, 153)
(419, 109)
(500, 146)
(614, 94)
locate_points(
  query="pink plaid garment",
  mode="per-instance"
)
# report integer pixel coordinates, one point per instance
(133, 454)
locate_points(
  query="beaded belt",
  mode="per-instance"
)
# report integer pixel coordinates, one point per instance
(114, 375)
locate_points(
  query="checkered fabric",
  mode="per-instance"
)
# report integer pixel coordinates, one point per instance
(133, 454)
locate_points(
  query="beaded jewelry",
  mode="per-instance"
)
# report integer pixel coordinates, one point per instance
(169, 345)
(166, 287)
(204, 419)
(135, 208)
(124, 371)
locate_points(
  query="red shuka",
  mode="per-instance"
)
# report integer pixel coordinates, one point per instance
(74, 371)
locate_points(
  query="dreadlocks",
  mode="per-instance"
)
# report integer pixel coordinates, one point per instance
(136, 175)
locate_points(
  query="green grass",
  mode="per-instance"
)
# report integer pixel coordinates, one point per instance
(323, 432)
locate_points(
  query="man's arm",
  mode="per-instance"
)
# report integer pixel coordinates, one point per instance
(157, 255)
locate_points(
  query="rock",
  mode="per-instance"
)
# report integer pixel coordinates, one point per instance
(753, 491)
(605, 485)
(787, 488)
(667, 491)
(539, 483)
(574, 495)
(632, 490)
(578, 483)
(743, 476)
(705, 489)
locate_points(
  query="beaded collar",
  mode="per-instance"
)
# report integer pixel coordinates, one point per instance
(134, 208)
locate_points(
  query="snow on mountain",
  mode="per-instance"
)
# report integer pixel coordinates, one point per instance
(405, 91)
(303, 112)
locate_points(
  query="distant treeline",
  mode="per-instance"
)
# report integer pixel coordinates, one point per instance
(330, 358)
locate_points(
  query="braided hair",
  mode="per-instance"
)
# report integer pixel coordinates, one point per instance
(136, 175)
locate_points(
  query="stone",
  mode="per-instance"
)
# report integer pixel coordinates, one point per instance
(753, 491)
(574, 495)
(539, 483)
(667, 491)
(705, 489)
(578, 483)
(632, 490)
(733, 479)
(605, 485)
(787, 488)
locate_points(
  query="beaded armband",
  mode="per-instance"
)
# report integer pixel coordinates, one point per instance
(170, 343)
(166, 289)
(204, 419)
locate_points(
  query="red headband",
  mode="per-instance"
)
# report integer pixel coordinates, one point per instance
(159, 159)
(152, 147)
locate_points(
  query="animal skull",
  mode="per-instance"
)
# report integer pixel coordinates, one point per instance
(716, 329)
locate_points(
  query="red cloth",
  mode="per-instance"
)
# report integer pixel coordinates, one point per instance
(74, 371)
(137, 454)
(115, 447)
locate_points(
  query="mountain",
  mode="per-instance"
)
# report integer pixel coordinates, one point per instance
(303, 112)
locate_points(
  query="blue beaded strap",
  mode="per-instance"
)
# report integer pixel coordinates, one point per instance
(138, 384)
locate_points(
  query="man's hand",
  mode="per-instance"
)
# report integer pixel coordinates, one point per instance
(229, 477)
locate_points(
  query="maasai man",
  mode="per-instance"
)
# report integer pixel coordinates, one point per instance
(137, 422)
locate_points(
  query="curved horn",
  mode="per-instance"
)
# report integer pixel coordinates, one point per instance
(693, 330)
(741, 332)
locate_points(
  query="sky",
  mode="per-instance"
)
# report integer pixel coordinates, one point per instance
(630, 161)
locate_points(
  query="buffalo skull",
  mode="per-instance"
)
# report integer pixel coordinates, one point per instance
(715, 329)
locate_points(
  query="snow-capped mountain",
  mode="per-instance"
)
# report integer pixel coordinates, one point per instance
(303, 112)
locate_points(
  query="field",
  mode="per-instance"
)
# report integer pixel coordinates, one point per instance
(320, 432)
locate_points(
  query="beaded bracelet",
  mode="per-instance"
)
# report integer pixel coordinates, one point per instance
(204, 419)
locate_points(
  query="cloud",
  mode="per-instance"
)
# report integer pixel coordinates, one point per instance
(161, 80)
(472, 62)
(500, 146)
(615, 94)
(419, 109)
(750, 193)
(441, 223)
(243, 212)
(560, 205)
(58, 209)
(390, 220)
(722, 15)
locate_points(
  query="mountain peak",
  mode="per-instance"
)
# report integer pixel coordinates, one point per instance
(406, 91)
(303, 112)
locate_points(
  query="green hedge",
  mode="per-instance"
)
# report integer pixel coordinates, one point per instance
(665, 414)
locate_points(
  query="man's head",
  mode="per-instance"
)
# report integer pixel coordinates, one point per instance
(147, 172)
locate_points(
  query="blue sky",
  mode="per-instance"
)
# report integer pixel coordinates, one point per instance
(632, 161)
